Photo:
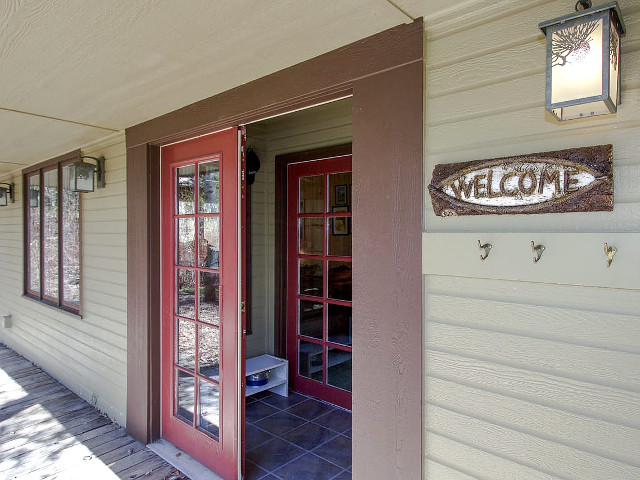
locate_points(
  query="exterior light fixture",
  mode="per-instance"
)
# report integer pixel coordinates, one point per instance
(81, 175)
(6, 194)
(34, 197)
(583, 61)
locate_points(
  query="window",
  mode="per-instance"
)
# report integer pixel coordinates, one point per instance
(52, 234)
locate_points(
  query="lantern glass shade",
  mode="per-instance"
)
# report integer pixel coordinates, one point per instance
(81, 177)
(4, 197)
(583, 62)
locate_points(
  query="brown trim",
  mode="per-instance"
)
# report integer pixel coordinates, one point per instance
(387, 277)
(385, 75)
(320, 79)
(54, 164)
(143, 293)
(280, 288)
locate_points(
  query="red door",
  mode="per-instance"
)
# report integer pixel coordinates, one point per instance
(201, 324)
(319, 333)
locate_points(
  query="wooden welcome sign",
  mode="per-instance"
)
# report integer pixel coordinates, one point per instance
(574, 180)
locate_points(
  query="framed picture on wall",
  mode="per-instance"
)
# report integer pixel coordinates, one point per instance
(342, 197)
(340, 225)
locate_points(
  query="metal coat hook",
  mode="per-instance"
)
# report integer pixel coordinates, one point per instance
(609, 252)
(486, 247)
(537, 250)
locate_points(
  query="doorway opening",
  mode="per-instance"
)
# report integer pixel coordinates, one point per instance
(299, 295)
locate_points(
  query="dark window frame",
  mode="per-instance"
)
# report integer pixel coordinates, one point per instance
(39, 170)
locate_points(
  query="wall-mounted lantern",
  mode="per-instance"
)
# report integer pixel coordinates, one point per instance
(6, 194)
(81, 175)
(583, 61)
(34, 197)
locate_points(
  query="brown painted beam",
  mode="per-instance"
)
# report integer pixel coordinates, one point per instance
(143, 291)
(326, 76)
(387, 277)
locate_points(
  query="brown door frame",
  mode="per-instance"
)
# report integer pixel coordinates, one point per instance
(385, 75)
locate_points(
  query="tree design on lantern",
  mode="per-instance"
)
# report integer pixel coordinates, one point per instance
(572, 44)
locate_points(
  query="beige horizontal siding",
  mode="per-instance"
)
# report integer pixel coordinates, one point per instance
(86, 354)
(527, 374)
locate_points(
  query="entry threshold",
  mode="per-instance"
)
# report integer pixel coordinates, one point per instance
(182, 461)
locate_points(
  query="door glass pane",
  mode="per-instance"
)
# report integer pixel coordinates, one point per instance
(209, 351)
(70, 241)
(311, 236)
(51, 233)
(339, 368)
(209, 407)
(339, 285)
(186, 305)
(209, 242)
(186, 183)
(209, 298)
(311, 277)
(310, 360)
(340, 236)
(209, 187)
(186, 234)
(311, 197)
(33, 232)
(340, 192)
(311, 317)
(186, 342)
(339, 324)
(186, 395)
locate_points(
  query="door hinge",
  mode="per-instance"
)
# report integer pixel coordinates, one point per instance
(243, 307)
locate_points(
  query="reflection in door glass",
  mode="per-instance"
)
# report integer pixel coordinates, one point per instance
(339, 324)
(339, 368)
(311, 236)
(339, 286)
(186, 183)
(311, 316)
(209, 351)
(209, 298)
(311, 277)
(310, 360)
(186, 304)
(186, 343)
(209, 187)
(209, 407)
(311, 197)
(209, 242)
(186, 392)
(186, 234)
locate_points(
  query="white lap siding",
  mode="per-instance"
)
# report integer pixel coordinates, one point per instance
(528, 378)
(87, 354)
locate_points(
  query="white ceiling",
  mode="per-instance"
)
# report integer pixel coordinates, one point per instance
(74, 71)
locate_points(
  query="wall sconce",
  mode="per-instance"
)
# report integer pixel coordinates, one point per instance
(81, 175)
(6, 194)
(34, 197)
(583, 61)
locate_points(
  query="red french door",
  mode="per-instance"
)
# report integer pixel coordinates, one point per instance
(319, 333)
(201, 292)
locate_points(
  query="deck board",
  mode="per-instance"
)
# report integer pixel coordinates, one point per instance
(48, 432)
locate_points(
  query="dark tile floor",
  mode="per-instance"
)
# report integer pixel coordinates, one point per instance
(296, 438)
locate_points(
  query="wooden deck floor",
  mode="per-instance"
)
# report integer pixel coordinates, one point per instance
(46, 431)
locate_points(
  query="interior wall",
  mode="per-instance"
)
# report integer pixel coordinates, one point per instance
(89, 354)
(317, 127)
(530, 373)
